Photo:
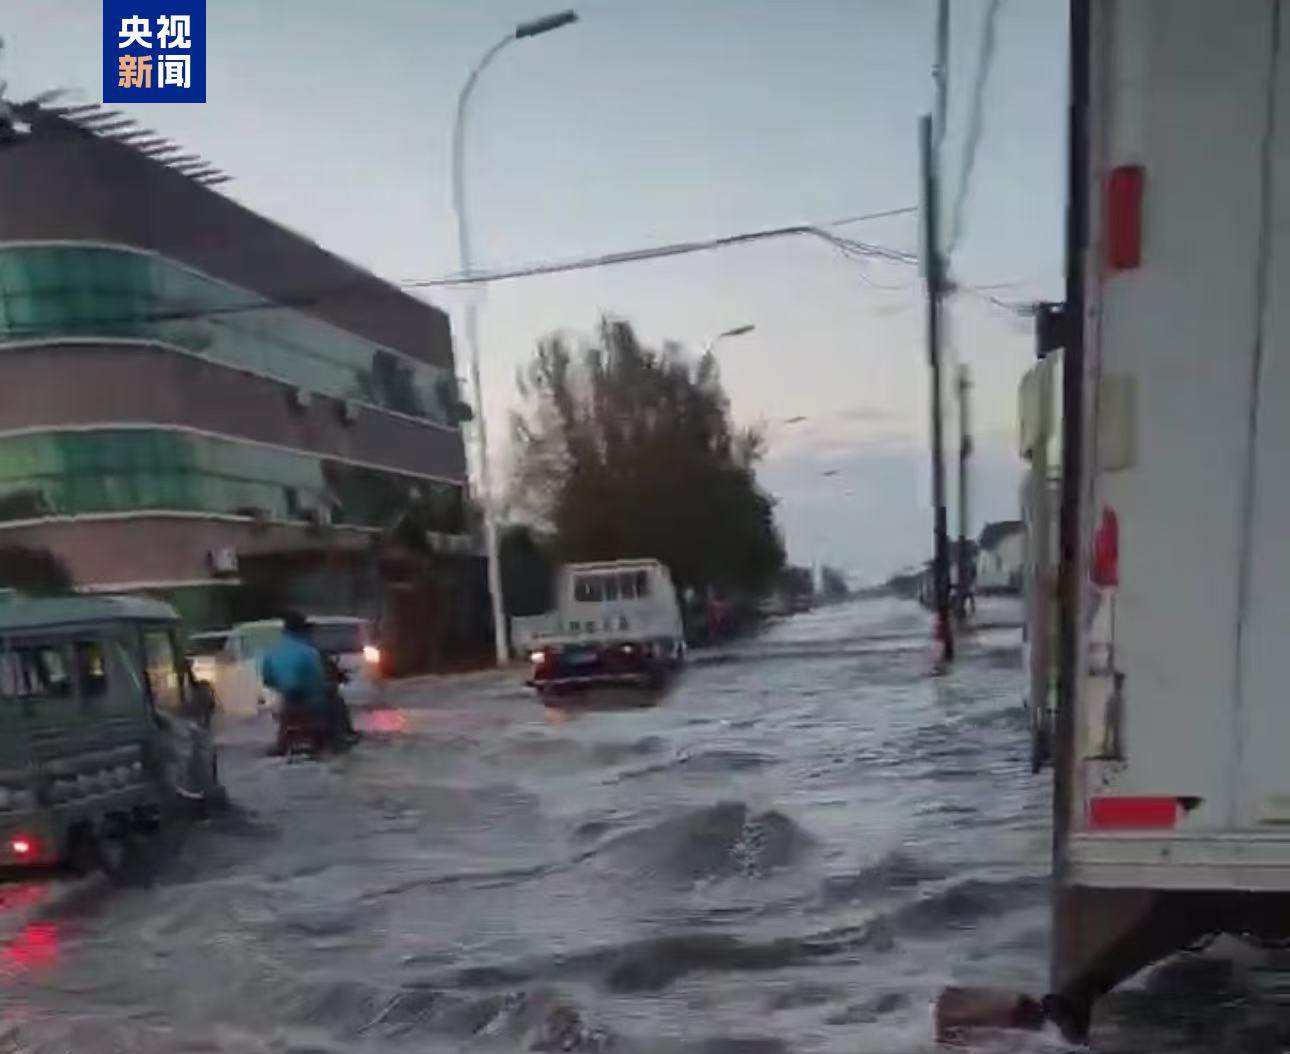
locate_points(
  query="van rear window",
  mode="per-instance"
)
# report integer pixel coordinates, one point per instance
(588, 588)
(625, 585)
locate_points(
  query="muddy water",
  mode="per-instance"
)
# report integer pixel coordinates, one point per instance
(794, 850)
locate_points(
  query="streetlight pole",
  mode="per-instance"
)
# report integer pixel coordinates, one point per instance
(737, 331)
(534, 28)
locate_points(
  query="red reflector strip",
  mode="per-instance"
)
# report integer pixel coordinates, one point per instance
(1135, 813)
(1124, 217)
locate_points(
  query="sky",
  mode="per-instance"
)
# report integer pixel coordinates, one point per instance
(648, 122)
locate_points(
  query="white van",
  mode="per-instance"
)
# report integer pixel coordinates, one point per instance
(616, 622)
(234, 669)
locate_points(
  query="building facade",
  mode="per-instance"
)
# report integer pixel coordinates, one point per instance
(202, 404)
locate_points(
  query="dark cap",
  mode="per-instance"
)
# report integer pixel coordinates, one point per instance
(295, 623)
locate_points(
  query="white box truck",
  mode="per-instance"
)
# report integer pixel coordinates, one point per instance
(1171, 738)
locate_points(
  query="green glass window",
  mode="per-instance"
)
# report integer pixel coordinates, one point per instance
(51, 291)
(124, 470)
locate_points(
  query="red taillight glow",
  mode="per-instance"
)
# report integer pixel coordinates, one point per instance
(1132, 813)
(1124, 217)
(21, 847)
(1106, 551)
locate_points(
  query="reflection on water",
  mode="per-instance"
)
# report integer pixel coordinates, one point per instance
(385, 721)
(34, 948)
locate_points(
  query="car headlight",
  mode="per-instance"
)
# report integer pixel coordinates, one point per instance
(371, 653)
(537, 658)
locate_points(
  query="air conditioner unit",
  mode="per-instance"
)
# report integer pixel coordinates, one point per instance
(223, 561)
(301, 398)
(349, 411)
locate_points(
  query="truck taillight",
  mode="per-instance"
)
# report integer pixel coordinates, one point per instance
(1124, 217)
(1106, 550)
(1133, 813)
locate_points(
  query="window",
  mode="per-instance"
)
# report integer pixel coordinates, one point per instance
(91, 668)
(588, 588)
(254, 641)
(627, 585)
(611, 587)
(120, 470)
(35, 671)
(642, 583)
(344, 637)
(83, 290)
(201, 644)
(163, 674)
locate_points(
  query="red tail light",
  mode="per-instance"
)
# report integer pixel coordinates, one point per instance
(1106, 550)
(21, 847)
(1124, 217)
(1127, 813)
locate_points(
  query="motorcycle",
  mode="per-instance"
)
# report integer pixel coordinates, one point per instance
(310, 730)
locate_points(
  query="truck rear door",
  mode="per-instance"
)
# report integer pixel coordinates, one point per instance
(1183, 711)
(1263, 699)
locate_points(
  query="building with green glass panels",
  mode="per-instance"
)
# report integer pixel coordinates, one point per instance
(202, 404)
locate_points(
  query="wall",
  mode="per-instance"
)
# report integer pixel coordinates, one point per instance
(141, 383)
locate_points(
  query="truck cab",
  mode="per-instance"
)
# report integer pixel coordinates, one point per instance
(101, 723)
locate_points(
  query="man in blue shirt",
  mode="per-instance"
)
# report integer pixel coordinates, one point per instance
(294, 669)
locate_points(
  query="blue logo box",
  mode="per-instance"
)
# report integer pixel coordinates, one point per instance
(154, 51)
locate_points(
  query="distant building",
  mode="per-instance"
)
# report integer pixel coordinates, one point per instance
(207, 406)
(1000, 557)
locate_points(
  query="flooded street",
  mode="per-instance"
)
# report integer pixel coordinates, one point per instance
(794, 851)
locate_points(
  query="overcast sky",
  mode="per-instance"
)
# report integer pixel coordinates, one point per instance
(653, 121)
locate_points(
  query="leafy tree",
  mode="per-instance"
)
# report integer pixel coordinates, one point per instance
(527, 572)
(833, 584)
(626, 451)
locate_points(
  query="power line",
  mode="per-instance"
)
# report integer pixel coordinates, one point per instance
(851, 247)
(868, 249)
(976, 122)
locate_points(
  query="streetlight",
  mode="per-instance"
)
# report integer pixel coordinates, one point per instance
(738, 331)
(533, 28)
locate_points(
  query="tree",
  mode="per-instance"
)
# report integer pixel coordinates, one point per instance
(37, 572)
(527, 573)
(833, 584)
(625, 451)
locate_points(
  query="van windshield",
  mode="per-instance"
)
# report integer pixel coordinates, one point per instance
(338, 636)
(207, 644)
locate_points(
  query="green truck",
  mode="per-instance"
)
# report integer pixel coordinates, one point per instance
(102, 725)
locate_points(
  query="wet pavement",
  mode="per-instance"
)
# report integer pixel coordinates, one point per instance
(793, 850)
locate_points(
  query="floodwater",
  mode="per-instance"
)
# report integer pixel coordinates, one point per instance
(794, 850)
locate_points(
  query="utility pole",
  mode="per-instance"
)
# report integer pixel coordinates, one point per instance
(935, 282)
(963, 386)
